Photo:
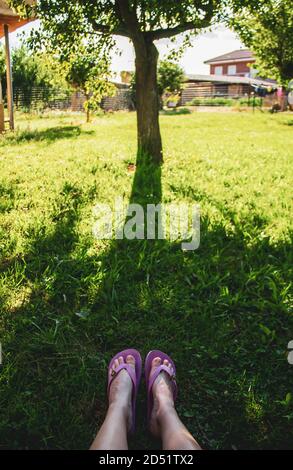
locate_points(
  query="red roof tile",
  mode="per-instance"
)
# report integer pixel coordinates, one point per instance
(244, 54)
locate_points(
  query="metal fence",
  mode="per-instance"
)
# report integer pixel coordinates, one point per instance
(40, 98)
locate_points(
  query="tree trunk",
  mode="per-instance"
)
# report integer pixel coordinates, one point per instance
(147, 103)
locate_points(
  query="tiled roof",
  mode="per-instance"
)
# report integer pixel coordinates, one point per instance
(244, 54)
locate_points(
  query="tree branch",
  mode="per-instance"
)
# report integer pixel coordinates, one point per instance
(187, 26)
(117, 11)
(169, 32)
(119, 30)
(129, 18)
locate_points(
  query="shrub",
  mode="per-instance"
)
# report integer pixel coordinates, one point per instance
(249, 102)
(175, 111)
(217, 101)
(221, 101)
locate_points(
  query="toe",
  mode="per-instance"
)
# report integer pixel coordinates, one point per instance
(130, 360)
(116, 364)
(156, 362)
(166, 363)
(120, 360)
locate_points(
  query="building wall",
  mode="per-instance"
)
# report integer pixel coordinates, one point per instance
(242, 68)
(208, 90)
(121, 101)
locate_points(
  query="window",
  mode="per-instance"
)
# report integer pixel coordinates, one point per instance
(221, 89)
(231, 69)
(219, 70)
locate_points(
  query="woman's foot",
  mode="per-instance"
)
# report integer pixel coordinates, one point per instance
(121, 389)
(162, 395)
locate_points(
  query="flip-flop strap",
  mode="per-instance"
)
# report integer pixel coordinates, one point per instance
(158, 370)
(129, 369)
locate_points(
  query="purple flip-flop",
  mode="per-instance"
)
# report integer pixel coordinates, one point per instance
(150, 380)
(135, 376)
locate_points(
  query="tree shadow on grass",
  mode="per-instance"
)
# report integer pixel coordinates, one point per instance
(48, 135)
(220, 311)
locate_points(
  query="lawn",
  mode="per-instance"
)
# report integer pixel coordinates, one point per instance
(69, 302)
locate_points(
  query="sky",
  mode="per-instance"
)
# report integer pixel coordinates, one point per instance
(205, 46)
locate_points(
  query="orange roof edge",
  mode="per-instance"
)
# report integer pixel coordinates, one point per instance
(13, 23)
(9, 17)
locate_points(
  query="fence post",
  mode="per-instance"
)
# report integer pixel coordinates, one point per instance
(9, 78)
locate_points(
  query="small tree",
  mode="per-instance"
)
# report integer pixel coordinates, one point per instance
(267, 28)
(89, 73)
(170, 77)
(143, 22)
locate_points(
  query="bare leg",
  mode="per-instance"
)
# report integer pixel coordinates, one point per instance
(165, 422)
(113, 433)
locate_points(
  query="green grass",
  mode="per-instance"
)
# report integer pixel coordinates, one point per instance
(224, 312)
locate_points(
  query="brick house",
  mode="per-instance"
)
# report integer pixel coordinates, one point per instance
(215, 86)
(231, 76)
(236, 63)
